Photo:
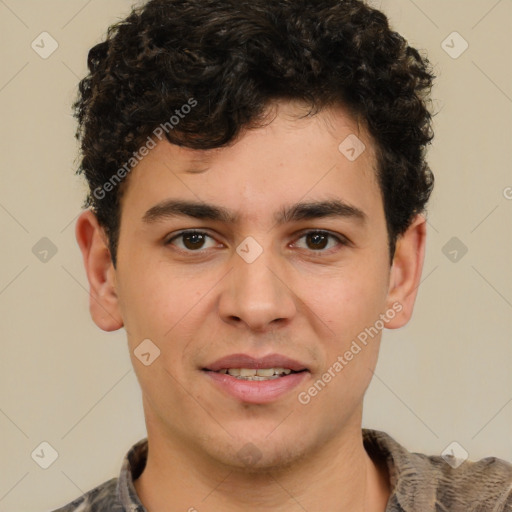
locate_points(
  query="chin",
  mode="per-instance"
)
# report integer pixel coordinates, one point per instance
(260, 454)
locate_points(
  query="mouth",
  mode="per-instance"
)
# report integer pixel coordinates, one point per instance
(256, 380)
(246, 366)
(257, 374)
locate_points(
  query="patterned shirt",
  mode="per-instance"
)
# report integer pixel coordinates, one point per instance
(419, 483)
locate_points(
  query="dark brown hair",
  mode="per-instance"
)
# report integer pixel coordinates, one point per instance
(233, 57)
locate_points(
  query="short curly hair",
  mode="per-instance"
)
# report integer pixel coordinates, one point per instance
(233, 58)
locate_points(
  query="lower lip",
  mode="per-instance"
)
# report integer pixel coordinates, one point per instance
(257, 391)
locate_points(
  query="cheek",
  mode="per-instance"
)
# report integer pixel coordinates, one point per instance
(149, 300)
(166, 305)
(350, 304)
(351, 299)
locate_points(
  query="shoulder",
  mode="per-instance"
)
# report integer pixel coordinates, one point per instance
(102, 498)
(421, 482)
(482, 485)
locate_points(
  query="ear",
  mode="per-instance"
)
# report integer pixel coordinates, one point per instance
(405, 272)
(103, 302)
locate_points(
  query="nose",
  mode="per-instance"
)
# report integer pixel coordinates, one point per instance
(257, 294)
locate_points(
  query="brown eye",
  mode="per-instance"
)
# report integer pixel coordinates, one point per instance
(317, 241)
(192, 241)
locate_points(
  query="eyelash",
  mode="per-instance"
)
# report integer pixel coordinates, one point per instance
(340, 239)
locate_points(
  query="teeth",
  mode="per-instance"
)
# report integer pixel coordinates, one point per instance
(265, 372)
(256, 374)
(247, 372)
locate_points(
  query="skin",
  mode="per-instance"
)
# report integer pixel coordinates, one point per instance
(290, 300)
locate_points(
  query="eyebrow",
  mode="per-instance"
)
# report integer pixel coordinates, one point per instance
(334, 208)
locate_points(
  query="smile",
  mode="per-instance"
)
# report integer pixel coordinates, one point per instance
(256, 374)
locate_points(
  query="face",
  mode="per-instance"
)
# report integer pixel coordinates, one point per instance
(258, 280)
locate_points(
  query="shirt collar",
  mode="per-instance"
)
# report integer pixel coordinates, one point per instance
(413, 479)
(133, 465)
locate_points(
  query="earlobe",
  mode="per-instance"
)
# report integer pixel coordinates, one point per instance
(405, 272)
(103, 300)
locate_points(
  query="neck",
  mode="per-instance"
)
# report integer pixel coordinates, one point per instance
(337, 476)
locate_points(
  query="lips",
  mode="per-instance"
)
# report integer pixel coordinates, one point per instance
(234, 376)
(247, 361)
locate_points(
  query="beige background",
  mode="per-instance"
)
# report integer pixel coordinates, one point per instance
(444, 377)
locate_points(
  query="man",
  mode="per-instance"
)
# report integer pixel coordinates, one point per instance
(257, 194)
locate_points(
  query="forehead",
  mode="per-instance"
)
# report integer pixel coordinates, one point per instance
(288, 160)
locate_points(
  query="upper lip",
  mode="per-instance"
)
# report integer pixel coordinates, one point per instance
(247, 361)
